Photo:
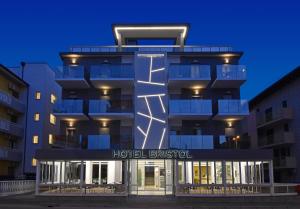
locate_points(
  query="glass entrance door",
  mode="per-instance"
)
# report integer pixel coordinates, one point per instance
(151, 177)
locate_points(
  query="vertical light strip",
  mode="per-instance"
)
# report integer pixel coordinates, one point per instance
(162, 138)
(162, 104)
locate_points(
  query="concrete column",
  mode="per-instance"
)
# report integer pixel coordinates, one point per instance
(271, 176)
(37, 178)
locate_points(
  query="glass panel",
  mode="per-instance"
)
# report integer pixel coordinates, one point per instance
(228, 166)
(169, 176)
(219, 172)
(266, 173)
(181, 170)
(244, 173)
(258, 175)
(189, 173)
(211, 172)
(203, 171)
(196, 173)
(236, 172)
(251, 172)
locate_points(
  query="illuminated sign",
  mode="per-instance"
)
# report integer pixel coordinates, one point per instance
(151, 154)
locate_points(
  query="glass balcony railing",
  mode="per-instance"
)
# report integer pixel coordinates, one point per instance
(70, 72)
(96, 142)
(68, 106)
(110, 106)
(191, 142)
(11, 128)
(231, 72)
(112, 71)
(233, 107)
(12, 102)
(192, 106)
(201, 72)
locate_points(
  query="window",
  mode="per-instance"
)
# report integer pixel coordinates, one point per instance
(37, 95)
(35, 139)
(53, 98)
(286, 127)
(50, 139)
(36, 117)
(52, 119)
(284, 104)
(33, 162)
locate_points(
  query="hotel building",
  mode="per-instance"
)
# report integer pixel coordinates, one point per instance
(143, 119)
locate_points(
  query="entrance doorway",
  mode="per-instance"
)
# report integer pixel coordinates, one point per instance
(151, 177)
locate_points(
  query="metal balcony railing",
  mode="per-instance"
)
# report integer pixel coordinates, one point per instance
(12, 102)
(11, 128)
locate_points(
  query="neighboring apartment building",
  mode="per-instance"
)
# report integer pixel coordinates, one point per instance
(41, 124)
(140, 119)
(275, 113)
(13, 106)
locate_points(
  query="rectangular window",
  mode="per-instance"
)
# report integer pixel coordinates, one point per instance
(33, 162)
(53, 98)
(236, 172)
(36, 117)
(203, 170)
(196, 173)
(211, 172)
(37, 95)
(181, 171)
(284, 104)
(52, 119)
(50, 139)
(219, 172)
(228, 167)
(35, 139)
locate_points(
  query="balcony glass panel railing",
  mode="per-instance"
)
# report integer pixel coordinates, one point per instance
(11, 101)
(68, 106)
(96, 142)
(111, 71)
(201, 72)
(110, 106)
(192, 106)
(11, 128)
(191, 142)
(233, 107)
(70, 72)
(231, 72)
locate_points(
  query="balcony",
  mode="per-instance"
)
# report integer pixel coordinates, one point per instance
(11, 128)
(72, 77)
(232, 109)
(10, 154)
(287, 162)
(230, 76)
(96, 142)
(111, 109)
(11, 102)
(199, 109)
(191, 142)
(69, 109)
(64, 141)
(112, 75)
(277, 116)
(189, 76)
(277, 139)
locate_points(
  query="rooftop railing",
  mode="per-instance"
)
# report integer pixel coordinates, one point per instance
(160, 48)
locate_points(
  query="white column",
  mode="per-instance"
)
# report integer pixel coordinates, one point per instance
(37, 178)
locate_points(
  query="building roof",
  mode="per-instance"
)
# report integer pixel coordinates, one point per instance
(176, 31)
(285, 80)
(12, 75)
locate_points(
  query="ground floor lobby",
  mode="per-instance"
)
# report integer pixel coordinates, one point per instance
(165, 177)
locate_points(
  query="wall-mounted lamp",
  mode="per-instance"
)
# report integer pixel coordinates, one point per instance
(71, 123)
(229, 123)
(226, 60)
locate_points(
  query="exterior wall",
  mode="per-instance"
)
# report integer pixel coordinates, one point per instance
(289, 93)
(41, 78)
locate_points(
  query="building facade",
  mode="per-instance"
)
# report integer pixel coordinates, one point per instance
(275, 115)
(140, 119)
(13, 105)
(41, 124)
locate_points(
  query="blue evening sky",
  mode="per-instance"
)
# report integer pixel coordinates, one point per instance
(267, 31)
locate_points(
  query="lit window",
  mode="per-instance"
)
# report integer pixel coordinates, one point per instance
(36, 117)
(52, 119)
(50, 139)
(33, 162)
(53, 98)
(35, 139)
(38, 95)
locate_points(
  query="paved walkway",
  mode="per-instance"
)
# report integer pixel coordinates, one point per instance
(31, 202)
